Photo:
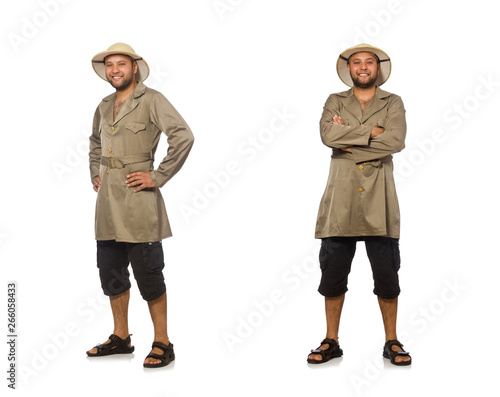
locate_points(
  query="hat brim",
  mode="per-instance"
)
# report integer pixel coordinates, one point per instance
(385, 64)
(98, 64)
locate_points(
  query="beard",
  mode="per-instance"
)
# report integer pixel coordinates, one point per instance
(122, 85)
(366, 84)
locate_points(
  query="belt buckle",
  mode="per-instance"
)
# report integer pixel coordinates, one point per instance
(112, 162)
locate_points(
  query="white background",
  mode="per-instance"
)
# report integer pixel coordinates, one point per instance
(242, 271)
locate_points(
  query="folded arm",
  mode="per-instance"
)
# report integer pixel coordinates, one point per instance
(392, 140)
(337, 135)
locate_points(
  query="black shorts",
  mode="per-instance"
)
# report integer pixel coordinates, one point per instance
(113, 259)
(336, 256)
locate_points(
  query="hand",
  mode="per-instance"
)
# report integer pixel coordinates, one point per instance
(376, 131)
(140, 178)
(338, 120)
(97, 183)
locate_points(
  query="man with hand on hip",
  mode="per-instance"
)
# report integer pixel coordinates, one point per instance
(131, 219)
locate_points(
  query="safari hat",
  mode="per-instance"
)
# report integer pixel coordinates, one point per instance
(385, 63)
(120, 48)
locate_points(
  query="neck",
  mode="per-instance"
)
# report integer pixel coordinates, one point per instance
(123, 94)
(368, 92)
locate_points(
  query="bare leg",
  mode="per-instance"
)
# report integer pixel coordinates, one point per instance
(389, 310)
(333, 310)
(119, 308)
(158, 311)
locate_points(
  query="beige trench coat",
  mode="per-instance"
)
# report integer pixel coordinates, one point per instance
(128, 144)
(360, 197)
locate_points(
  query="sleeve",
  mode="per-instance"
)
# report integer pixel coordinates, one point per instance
(337, 135)
(95, 146)
(392, 140)
(179, 137)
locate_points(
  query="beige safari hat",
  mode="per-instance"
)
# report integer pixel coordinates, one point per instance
(120, 48)
(385, 63)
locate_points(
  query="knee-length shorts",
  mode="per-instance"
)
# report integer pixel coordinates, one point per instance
(147, 263)
(336, 255)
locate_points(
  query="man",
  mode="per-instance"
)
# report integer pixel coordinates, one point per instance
(364, 127)
(130, 217)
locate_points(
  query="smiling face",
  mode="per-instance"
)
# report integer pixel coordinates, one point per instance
(364, 69)
(120, 71)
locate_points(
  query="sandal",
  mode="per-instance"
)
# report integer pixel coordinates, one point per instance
(391, 354)
(333, 351)
(116, 346)
(165, 358)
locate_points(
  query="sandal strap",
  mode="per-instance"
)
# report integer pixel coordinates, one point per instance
(168, 352)
(114, 337)
(329, 341)
(156, 356)
(332, 346)
(165, 348)
(401, 353)
(107, 347)
(115, 342)
(395, 342)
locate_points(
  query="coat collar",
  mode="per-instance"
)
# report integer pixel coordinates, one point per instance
(377, 103)
(130, 104)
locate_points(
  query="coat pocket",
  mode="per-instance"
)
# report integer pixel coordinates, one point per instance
(135, 127)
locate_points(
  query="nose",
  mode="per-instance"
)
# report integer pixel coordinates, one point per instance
(111, 69)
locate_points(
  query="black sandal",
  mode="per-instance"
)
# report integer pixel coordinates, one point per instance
(391, 354)
(333, 351)
(165, 358)
(116, 346)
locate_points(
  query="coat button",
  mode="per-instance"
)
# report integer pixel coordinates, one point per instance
(107, 172)
(361, 167)
(112, 128)
(360, 189)
(109, 150)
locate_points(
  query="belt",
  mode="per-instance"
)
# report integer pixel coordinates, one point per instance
(376, 163)
(122, 161)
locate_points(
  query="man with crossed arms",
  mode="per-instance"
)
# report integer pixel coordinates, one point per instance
(364, 126)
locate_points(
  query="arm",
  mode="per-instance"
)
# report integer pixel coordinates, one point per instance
(389, 142)
(95, 151)
(336, 135)
(179, 136)
(376, 131)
